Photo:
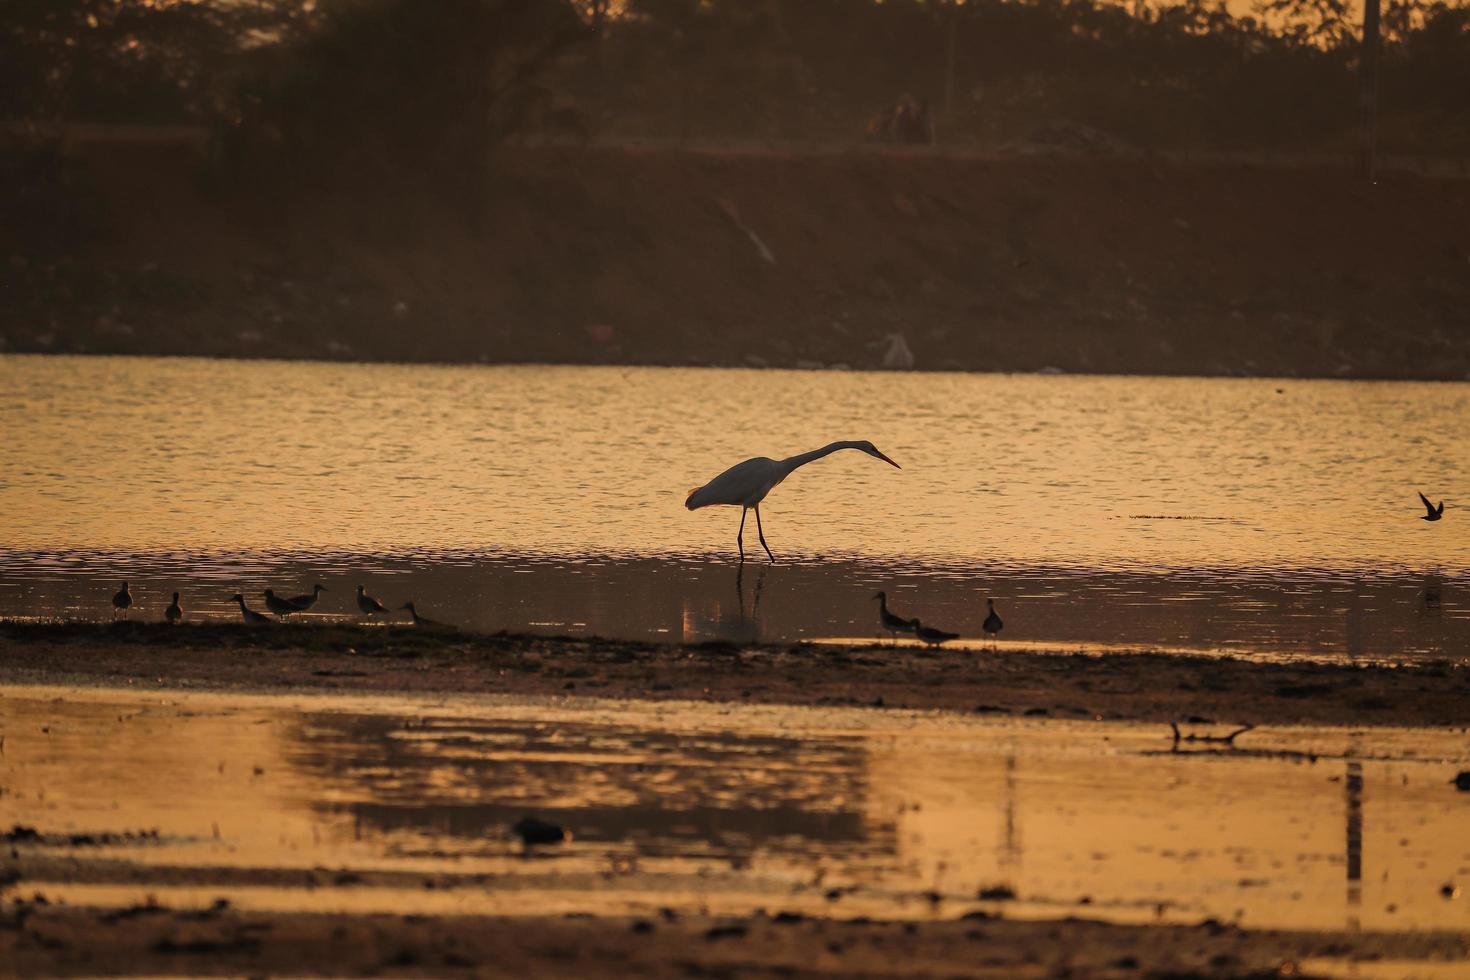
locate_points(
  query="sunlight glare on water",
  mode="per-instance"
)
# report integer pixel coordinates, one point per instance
(1220, 514)
(144, 454)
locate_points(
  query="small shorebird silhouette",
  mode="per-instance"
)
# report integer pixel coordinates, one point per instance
(746, 484)
(930, 635)
(305, 602)
(421, 620)
(893, 624)
(281, 607)
(246, 613)
(1435, 513)
(174, 612)
(367, 603)
(993, 624)
(122, 600)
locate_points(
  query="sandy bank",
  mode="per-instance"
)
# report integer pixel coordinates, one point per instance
(1140, 687)
(607, 255)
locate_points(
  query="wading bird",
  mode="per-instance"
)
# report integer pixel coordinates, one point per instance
(281, 607)
(1435, 513)
(122, 600)
(930, 635)
(893, 624)
(174, 612)
(367, 603)
(420, 620)
(746, 484)
(249, 615)
(305, 602)
(992, 624)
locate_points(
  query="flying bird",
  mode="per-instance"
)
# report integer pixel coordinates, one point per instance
(305, 602)
(122, 600)
(367, 603)
(250, 616)
(893, 624)
(746, 484)
(174, 612)
(1435, 513)
(930, 635)
(993, 624)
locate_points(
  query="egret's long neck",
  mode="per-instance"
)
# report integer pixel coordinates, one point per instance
(786, 466)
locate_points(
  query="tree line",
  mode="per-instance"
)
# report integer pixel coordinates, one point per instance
(425, 85)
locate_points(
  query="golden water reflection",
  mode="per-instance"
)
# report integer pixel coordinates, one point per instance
(392, 804)
(198, 457)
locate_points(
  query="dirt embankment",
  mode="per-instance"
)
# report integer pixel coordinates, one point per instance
(1204, 693)
(603, 255)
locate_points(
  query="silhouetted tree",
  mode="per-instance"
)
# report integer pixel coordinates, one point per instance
(395, 88)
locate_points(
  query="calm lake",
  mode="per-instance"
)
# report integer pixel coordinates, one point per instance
(1264, 517)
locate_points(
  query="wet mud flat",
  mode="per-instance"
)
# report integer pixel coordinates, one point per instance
(341, 801)
(151, 940)
(1140, 686)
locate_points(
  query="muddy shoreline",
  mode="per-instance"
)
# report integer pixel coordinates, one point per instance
(100, 916)
(39, 939)
(1147, 687)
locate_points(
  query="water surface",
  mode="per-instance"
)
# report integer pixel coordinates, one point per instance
(377, 804)
(1248, 515)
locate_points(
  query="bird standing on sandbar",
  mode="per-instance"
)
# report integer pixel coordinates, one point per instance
(367, 603)
(930, 635)
(305, 602)
(746, 484)
(174, 612)
(893, 624)
(250, 616)
(121, 601)
(281, 607)
(1435, 513)
(993, 624)
(422, 620)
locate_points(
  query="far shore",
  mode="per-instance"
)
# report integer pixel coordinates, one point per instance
(1200, 693)
(660, 256)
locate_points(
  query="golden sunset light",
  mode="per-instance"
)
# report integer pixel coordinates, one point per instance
(735, 488)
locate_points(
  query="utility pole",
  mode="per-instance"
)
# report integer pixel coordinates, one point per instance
(1368, 95)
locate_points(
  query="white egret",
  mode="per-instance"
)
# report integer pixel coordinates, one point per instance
(746, 484)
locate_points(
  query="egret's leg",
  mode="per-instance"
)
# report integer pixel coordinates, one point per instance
(761, 532)
(740, 536)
